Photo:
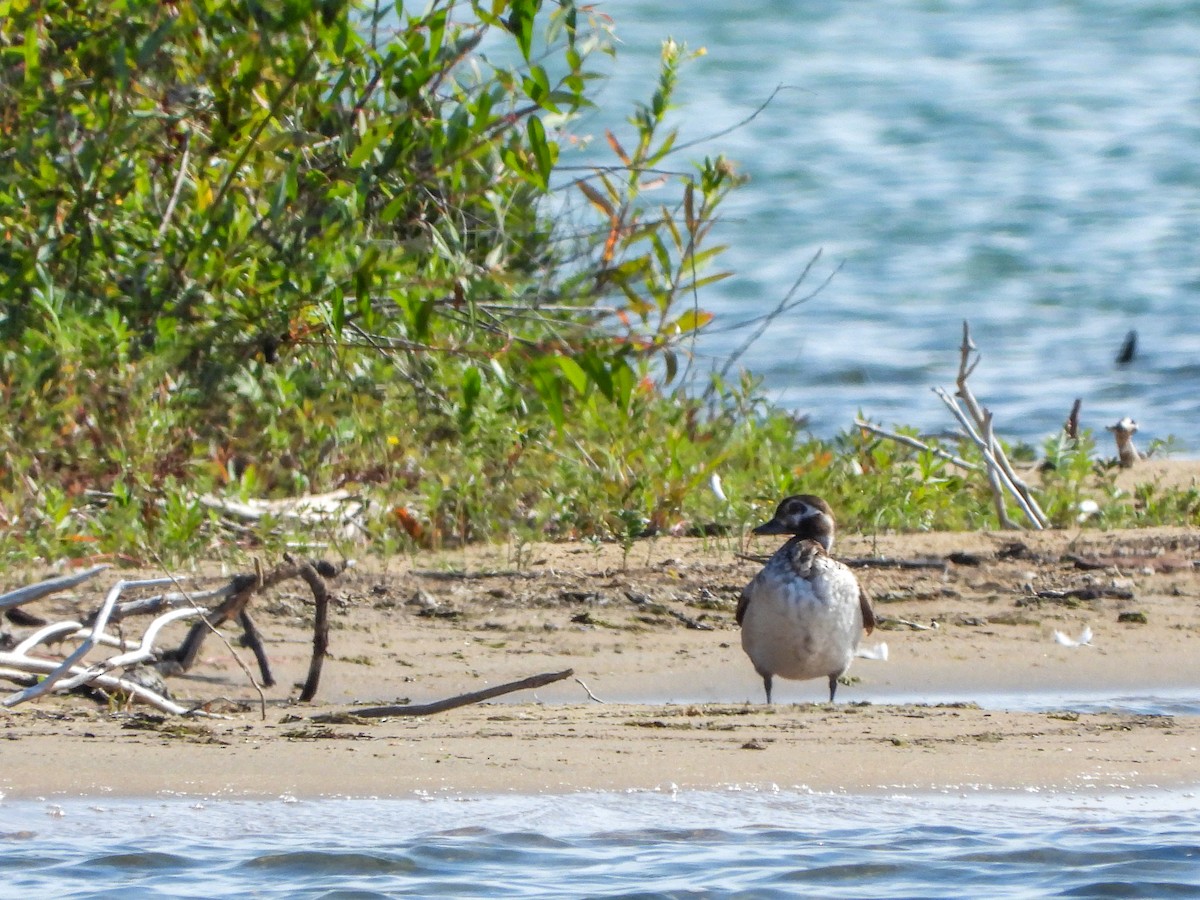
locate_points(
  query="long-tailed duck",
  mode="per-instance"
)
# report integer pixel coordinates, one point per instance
(803, 614)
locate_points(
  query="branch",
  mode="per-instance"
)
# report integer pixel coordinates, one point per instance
(916, 444)
(979, 428)
(50, 586)
(170, 210)
(993, 468)
(785, 305)
(65, 667)
(110, 682)
(320, 629)
(144, 652)
(427, 709)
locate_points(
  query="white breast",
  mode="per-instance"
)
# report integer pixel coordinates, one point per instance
(802, 627)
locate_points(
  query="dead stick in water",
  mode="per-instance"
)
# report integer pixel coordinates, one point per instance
(428, 709)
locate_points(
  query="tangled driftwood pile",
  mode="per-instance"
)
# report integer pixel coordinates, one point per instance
(117, 659)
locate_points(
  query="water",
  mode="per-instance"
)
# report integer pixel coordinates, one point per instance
(1030, 167)
(639, 844)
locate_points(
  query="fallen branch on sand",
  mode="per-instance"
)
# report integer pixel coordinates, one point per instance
(47, 587)
(428, 709)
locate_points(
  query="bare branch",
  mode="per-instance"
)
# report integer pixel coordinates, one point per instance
(47, 587)
(320, 629)
(426, 709)
(977, 423)
(61, 669)
(109, 682)
(916, 444)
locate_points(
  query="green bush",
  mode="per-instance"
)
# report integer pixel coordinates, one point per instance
(276, 247)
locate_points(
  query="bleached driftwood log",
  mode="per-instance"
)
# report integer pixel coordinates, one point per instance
(340, 511)
(49, 586)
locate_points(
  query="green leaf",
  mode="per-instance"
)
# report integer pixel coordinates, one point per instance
(537, 84)
(692, 320)
(548, 386)
(541, 150)
(574, 373)
(623, 379)
(154, 41)
(520, 23)
(472, 384)
(337, 313)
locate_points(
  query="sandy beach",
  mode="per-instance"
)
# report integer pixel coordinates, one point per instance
(662, 695)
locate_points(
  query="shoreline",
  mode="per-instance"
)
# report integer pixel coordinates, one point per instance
(434, 626)
(528, 749)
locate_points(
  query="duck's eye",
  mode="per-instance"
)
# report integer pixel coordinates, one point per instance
(802, 511)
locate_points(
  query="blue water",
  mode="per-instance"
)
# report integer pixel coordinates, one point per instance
(1031, 167)
(639, 844)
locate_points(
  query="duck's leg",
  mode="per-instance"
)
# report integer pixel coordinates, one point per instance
(767, 679)
(832, 686)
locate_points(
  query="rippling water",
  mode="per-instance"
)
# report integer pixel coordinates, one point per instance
(1032, 167)
(666, 844)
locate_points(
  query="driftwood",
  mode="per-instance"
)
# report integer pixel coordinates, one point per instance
(888, 623)
(976, 422)
(38, 675)
(428, 709)
(68, 673)
(339, 511)
(48, 587)
(916, 445)
(239, 591)
(1080, 593)
(320, 629)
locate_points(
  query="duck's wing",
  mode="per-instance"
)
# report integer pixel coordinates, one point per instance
(868, 614)
(743, 602)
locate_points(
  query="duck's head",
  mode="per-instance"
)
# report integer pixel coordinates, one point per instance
(804, 516)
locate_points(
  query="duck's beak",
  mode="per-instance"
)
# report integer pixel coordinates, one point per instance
(772, 527)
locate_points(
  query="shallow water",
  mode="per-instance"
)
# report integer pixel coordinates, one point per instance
(1031, 167)
(1183, 701)
(640, 844)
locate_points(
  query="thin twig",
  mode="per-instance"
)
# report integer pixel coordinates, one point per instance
(734, 127)
(170, 210)
(784, 305)
(588, 691)
(889, 562)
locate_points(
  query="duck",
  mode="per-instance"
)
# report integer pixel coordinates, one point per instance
(803, 615)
